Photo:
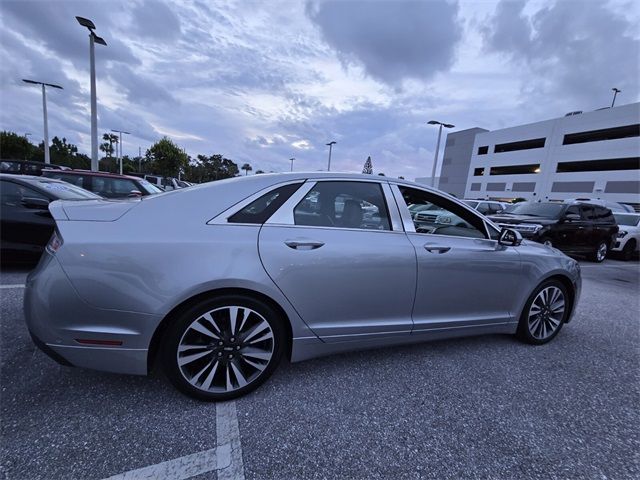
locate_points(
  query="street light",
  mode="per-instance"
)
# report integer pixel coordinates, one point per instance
(120, 146)
(291, 160)
(330, 145)
(616, 91)
(435, 158)
(47, 158)
(93, 39)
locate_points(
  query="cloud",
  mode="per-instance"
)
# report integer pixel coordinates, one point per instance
(569, 50)
(154, 20)
(394, 40)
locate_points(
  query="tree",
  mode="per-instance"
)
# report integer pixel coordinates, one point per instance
(247, 168)
(64, 153)
(107, 147)
(207, 169)
(167, 159)
(16, 147)
(368, 166)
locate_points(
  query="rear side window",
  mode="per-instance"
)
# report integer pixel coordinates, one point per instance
(261, 209)
(9, 167)
(76, 180)
(586, 212)
(113, 187)
(603, 215)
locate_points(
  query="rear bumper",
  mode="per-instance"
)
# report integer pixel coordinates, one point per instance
(57, 318)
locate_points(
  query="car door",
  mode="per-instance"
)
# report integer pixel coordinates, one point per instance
(24, 228)
(465, 278)
(339, 254)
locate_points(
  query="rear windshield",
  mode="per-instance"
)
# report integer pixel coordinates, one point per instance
(625, 219)
(149, 187)
(65, 191)
(471, 203)
(548, 210)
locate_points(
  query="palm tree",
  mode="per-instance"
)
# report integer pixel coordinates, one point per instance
(247, 168)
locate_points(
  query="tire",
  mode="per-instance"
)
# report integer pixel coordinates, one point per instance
(629, 249)
(206, 360)
(600, 252)
(540, 328)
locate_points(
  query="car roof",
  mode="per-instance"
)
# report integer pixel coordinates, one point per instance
(98, 174)
(28, 179)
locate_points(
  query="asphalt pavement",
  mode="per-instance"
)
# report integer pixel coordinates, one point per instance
(484, 407)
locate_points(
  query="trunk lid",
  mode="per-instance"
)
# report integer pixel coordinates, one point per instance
(91, 210)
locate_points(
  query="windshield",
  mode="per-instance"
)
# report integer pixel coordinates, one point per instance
(149, 187)
(66, 191)
(548, 210)
(627, 219)
(471, 203)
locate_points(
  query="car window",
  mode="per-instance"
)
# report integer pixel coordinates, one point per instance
(442, 216)
(495, 207)
(9, 167)
(573, 210)
(483, 208)
(113, 187)
(11, 194)
(627, 219)
(32, 168)
(603, 215)
(76, 180)
(260, 210)
(66, 191)
(586, 212)
(344, 205)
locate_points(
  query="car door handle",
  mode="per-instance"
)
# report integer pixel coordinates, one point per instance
(436, 248)
(303, 244)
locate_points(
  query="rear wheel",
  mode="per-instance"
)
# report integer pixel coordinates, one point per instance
(629, 249)
(600, 253)
(544, 313)
(223, 348)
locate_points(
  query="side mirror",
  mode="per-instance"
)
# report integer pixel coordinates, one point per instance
(35, 203)
(135, 193)
(571, 217)
(510, 238)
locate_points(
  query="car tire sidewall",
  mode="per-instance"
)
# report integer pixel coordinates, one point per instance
(182, 321)
(594, 255)
(628, 250)
(523, 332)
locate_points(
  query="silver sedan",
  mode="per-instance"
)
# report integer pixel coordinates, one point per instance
(217, 282)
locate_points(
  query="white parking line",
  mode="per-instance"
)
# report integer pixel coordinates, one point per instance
(230, 466)
(17, 285)
(225, 458)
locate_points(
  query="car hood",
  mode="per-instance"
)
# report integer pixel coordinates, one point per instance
(516, 219)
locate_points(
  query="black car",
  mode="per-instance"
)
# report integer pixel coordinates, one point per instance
(574, 228)
(27, 167)
(105, 184)
(25, 222)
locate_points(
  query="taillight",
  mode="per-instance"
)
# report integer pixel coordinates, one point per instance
(54, 243)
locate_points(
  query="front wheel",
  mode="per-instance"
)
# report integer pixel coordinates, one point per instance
(600, 253)
(223, 348)
(628, 250)
(544, 313)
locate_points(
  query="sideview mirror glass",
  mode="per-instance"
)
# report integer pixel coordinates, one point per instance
(510, 238)
(36, 203)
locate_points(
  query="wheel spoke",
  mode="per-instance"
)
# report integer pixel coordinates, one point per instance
(229, 386)
(198, 327)
(206, 385)
(257, 330)
(184, 347)
(255, 353)
(213, 322)
(238, 374)
(256, 365)
(196, 377)
(191, 358)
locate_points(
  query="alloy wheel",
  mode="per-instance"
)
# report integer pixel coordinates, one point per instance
(546, 312)
(601, 253)
(225, 349)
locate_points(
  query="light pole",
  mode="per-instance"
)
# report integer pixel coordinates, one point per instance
(47, 158)
(330, 145)
(120, 145)
(435, 158)
(616, 91)
(291, 160)
(93, 39)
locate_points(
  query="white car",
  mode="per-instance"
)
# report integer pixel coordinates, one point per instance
(613, 206)
(486, 207)
(628, 239)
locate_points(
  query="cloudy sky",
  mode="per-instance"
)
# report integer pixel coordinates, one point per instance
(264, 81)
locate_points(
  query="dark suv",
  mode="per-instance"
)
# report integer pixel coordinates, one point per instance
(105, 184)
(574, 228)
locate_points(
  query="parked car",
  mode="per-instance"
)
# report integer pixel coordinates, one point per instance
(628, 241)
(575, 228)
(25, 222)
(486, 207)
(164, 183)
(253, 270)
(105, 184)
(613, 206)
(27, 167)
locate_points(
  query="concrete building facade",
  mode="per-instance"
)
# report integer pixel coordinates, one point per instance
(582, 155)
(456, 161)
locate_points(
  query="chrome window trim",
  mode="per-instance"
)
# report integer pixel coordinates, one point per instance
(284, 215)
(223, 217)
(407, 221)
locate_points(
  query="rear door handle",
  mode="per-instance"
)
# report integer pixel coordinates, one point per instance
(303, 244)
(436, 248)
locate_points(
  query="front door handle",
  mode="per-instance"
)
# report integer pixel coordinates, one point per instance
(436, 248)
(303, 244)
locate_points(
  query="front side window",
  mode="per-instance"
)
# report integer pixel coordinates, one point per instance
(261, 209)
(77, 180)
(441, 216)
(344, 205)
(12, 194)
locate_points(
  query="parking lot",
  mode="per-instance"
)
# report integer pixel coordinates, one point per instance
(486, 407)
